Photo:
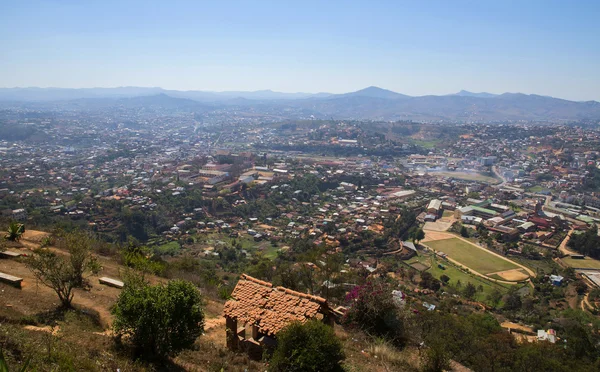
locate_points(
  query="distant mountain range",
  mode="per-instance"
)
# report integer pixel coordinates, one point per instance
(371, 103)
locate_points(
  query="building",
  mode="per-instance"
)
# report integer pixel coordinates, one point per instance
(556, 280)
(19, 214)
(408, 250)
(434, 207)
(487, 160)
(549, 335)
(471, 220)
(256, 312)
(474, 210)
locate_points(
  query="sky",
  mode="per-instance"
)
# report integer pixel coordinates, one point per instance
(413, 47)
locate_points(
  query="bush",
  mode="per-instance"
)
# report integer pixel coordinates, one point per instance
(374, 311)
(160, 320)
(312, 346)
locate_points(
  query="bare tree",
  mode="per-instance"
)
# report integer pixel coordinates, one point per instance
(65, 272)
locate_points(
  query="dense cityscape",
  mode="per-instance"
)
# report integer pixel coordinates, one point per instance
(490, 219)
(309, 186)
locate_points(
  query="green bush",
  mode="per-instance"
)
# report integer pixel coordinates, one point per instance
(160, 320)
(372, 309)
(312, 346)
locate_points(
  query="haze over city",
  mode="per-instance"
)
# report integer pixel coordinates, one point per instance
(415, 48)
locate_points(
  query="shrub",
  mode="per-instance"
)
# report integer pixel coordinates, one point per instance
(15, 231)
(312, 346)
(161, 320)
(374, 311)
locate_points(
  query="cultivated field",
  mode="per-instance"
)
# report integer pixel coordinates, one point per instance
(471, 256)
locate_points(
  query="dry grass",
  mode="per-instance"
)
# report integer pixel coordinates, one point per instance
(364, 354)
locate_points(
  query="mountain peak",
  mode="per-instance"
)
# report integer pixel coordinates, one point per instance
(375, 92)
(466, 93)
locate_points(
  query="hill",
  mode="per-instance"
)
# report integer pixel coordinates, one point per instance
(371, 103)
(465, 93)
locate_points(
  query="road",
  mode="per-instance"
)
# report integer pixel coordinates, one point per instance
(504, 181)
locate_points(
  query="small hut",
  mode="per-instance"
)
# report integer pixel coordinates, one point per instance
(256, 312)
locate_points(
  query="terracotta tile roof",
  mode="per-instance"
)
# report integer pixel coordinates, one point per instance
(271, 309)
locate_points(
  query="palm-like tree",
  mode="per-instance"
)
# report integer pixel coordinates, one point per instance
(15, 231)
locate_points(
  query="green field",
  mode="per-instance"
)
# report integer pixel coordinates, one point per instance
(457, 275)
(168, 249)
(470, 256)
(271, 252)
(430, 144)
(467, 176)
(588, 263)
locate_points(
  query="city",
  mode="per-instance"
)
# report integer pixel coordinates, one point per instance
(268, 186)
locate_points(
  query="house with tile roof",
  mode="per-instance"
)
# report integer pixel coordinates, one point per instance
(257, 311)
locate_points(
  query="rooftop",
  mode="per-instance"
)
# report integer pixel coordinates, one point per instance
(256, 302)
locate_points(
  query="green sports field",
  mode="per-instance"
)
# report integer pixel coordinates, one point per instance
(471, 256)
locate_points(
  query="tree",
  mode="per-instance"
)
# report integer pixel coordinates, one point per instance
(55, 272)
(469, 291)
(445, 278)
(580, 287)
(65, 272)
(429, 282)
(311, 346)
(15, 231)
(464, 232)
(418, 236)
(160, 320)
(79, 247)
(494, 297)
(512, 300)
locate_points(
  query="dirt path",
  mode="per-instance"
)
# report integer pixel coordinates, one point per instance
(563, 245)
(33, 295)
(441, 235)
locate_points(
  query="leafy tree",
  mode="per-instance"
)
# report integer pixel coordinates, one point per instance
(580, 287)
(469, 291)
(55, 272)
(312, 346)
(79, 246)
(15, 231)
(512, 300)
(445, 278)
(160, 320)
(587, 243)
(464, 232)
(418, 236)
(428, 281)
(494, 297)
(141, 259)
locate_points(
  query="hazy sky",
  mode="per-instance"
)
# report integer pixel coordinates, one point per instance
(413, 47)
